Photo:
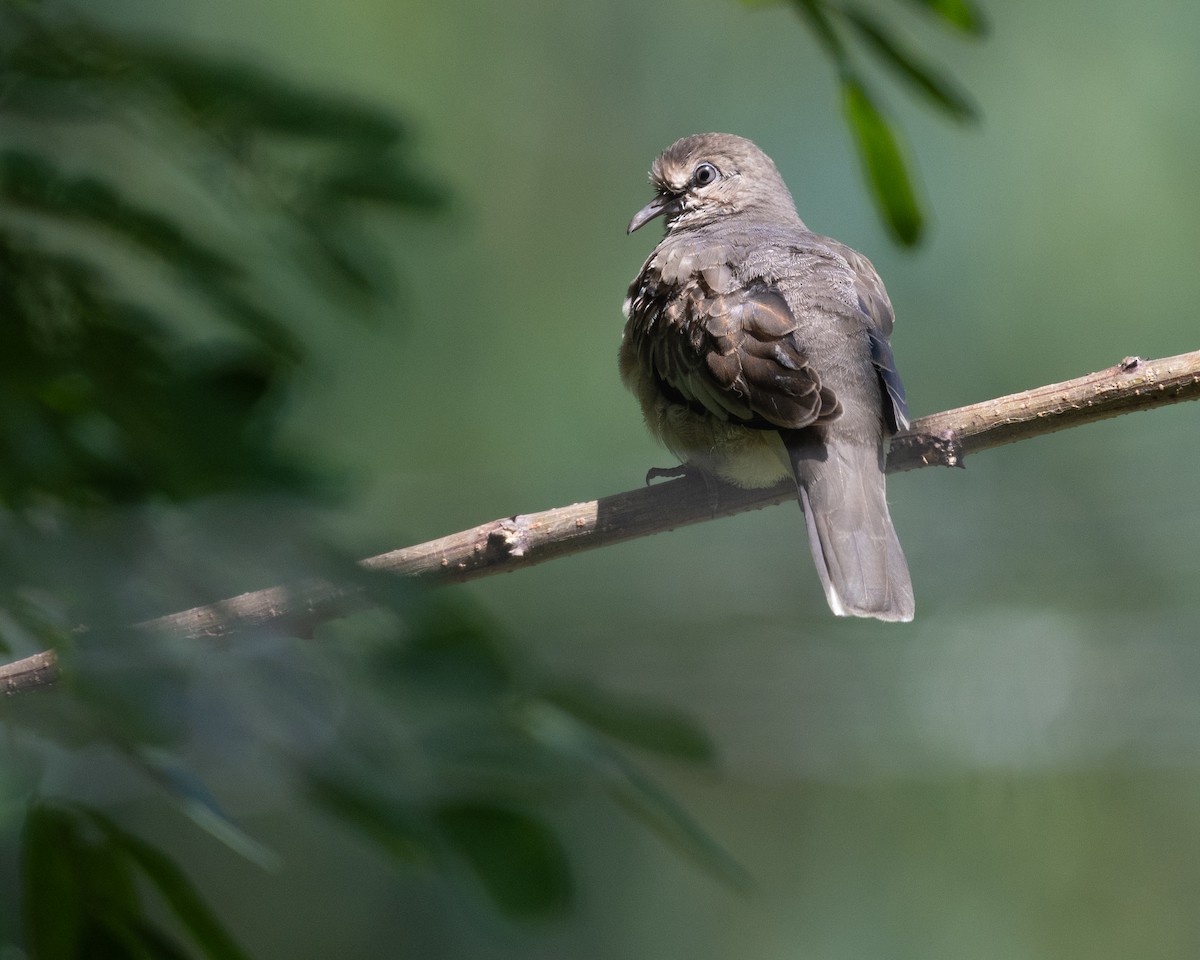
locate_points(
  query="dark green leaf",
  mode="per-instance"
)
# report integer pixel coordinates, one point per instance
(816, 13)
(383, 179)
(647, 726)
(217, 94)
(112, 898)
(102, 407)
(78, 893)
(340, 254)
(655, 807)
(176, 890)
(884, 164)
(633, 788)
(517, 859)
(53, 901)
(110, 940)
(155, 944)
(963, 15)
(240, 95)
(936, 88)
(262, 325)
(397, 830)
(452, 650)
(33, 182)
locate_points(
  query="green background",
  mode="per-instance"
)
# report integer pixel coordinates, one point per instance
(1015, 774)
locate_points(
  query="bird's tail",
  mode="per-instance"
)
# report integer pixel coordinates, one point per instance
(850, 532)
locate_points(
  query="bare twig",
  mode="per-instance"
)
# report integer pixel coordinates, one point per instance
(39, 670)
(941, 439)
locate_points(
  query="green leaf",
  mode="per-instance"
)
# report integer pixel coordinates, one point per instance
(816, 13)
(380, 179)
(218, 94)
(240, 95)
(633, 789)
(650, 727)
(397, 830)
(176, 890)
(963, 15)
(517, 859)
(78, 893)
(33, 182)
(936, 88)
(884, 164)
(656, 808)
(107, 940)
(452, 650)
(197, 801)
(109, 884)
(155, 943)
(53, 902)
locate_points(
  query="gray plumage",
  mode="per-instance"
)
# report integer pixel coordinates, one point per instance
(758, 350)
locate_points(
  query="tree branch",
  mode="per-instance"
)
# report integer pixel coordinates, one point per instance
(39, 670)
(941, 439)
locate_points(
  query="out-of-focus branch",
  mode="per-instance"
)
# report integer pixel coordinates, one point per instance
(39, 670)
(941, 439)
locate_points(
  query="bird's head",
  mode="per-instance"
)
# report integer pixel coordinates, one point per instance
(710, 176)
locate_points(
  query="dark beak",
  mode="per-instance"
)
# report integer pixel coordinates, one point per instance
(663, 203)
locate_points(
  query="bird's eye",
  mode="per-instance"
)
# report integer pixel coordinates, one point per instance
(705, 174)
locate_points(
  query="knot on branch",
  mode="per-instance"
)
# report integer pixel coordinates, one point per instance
(912, 450)
(507, 538)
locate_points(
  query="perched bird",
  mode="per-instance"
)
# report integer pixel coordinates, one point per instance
(758, 350)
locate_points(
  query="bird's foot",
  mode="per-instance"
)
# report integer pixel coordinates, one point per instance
(711, 485)
(664, 473)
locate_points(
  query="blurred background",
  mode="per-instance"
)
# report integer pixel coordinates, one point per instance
(1014, 775)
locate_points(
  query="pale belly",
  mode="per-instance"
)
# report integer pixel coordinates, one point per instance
(739, 455)
(735, 454)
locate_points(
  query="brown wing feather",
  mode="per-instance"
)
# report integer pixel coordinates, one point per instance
(734, 354)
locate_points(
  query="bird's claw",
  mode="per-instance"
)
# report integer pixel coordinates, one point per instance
(711, 485)
(669, 473)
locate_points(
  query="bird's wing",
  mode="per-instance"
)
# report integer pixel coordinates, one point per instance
(885, 365)
(875, 306)
(868, 290)
(734, 354)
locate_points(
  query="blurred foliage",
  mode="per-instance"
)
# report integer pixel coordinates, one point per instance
(835, 25)
(80, 893)
(105, 398)
(150, 327)
(498, 749)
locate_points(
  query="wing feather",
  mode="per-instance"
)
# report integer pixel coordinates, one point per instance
(732, 353)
